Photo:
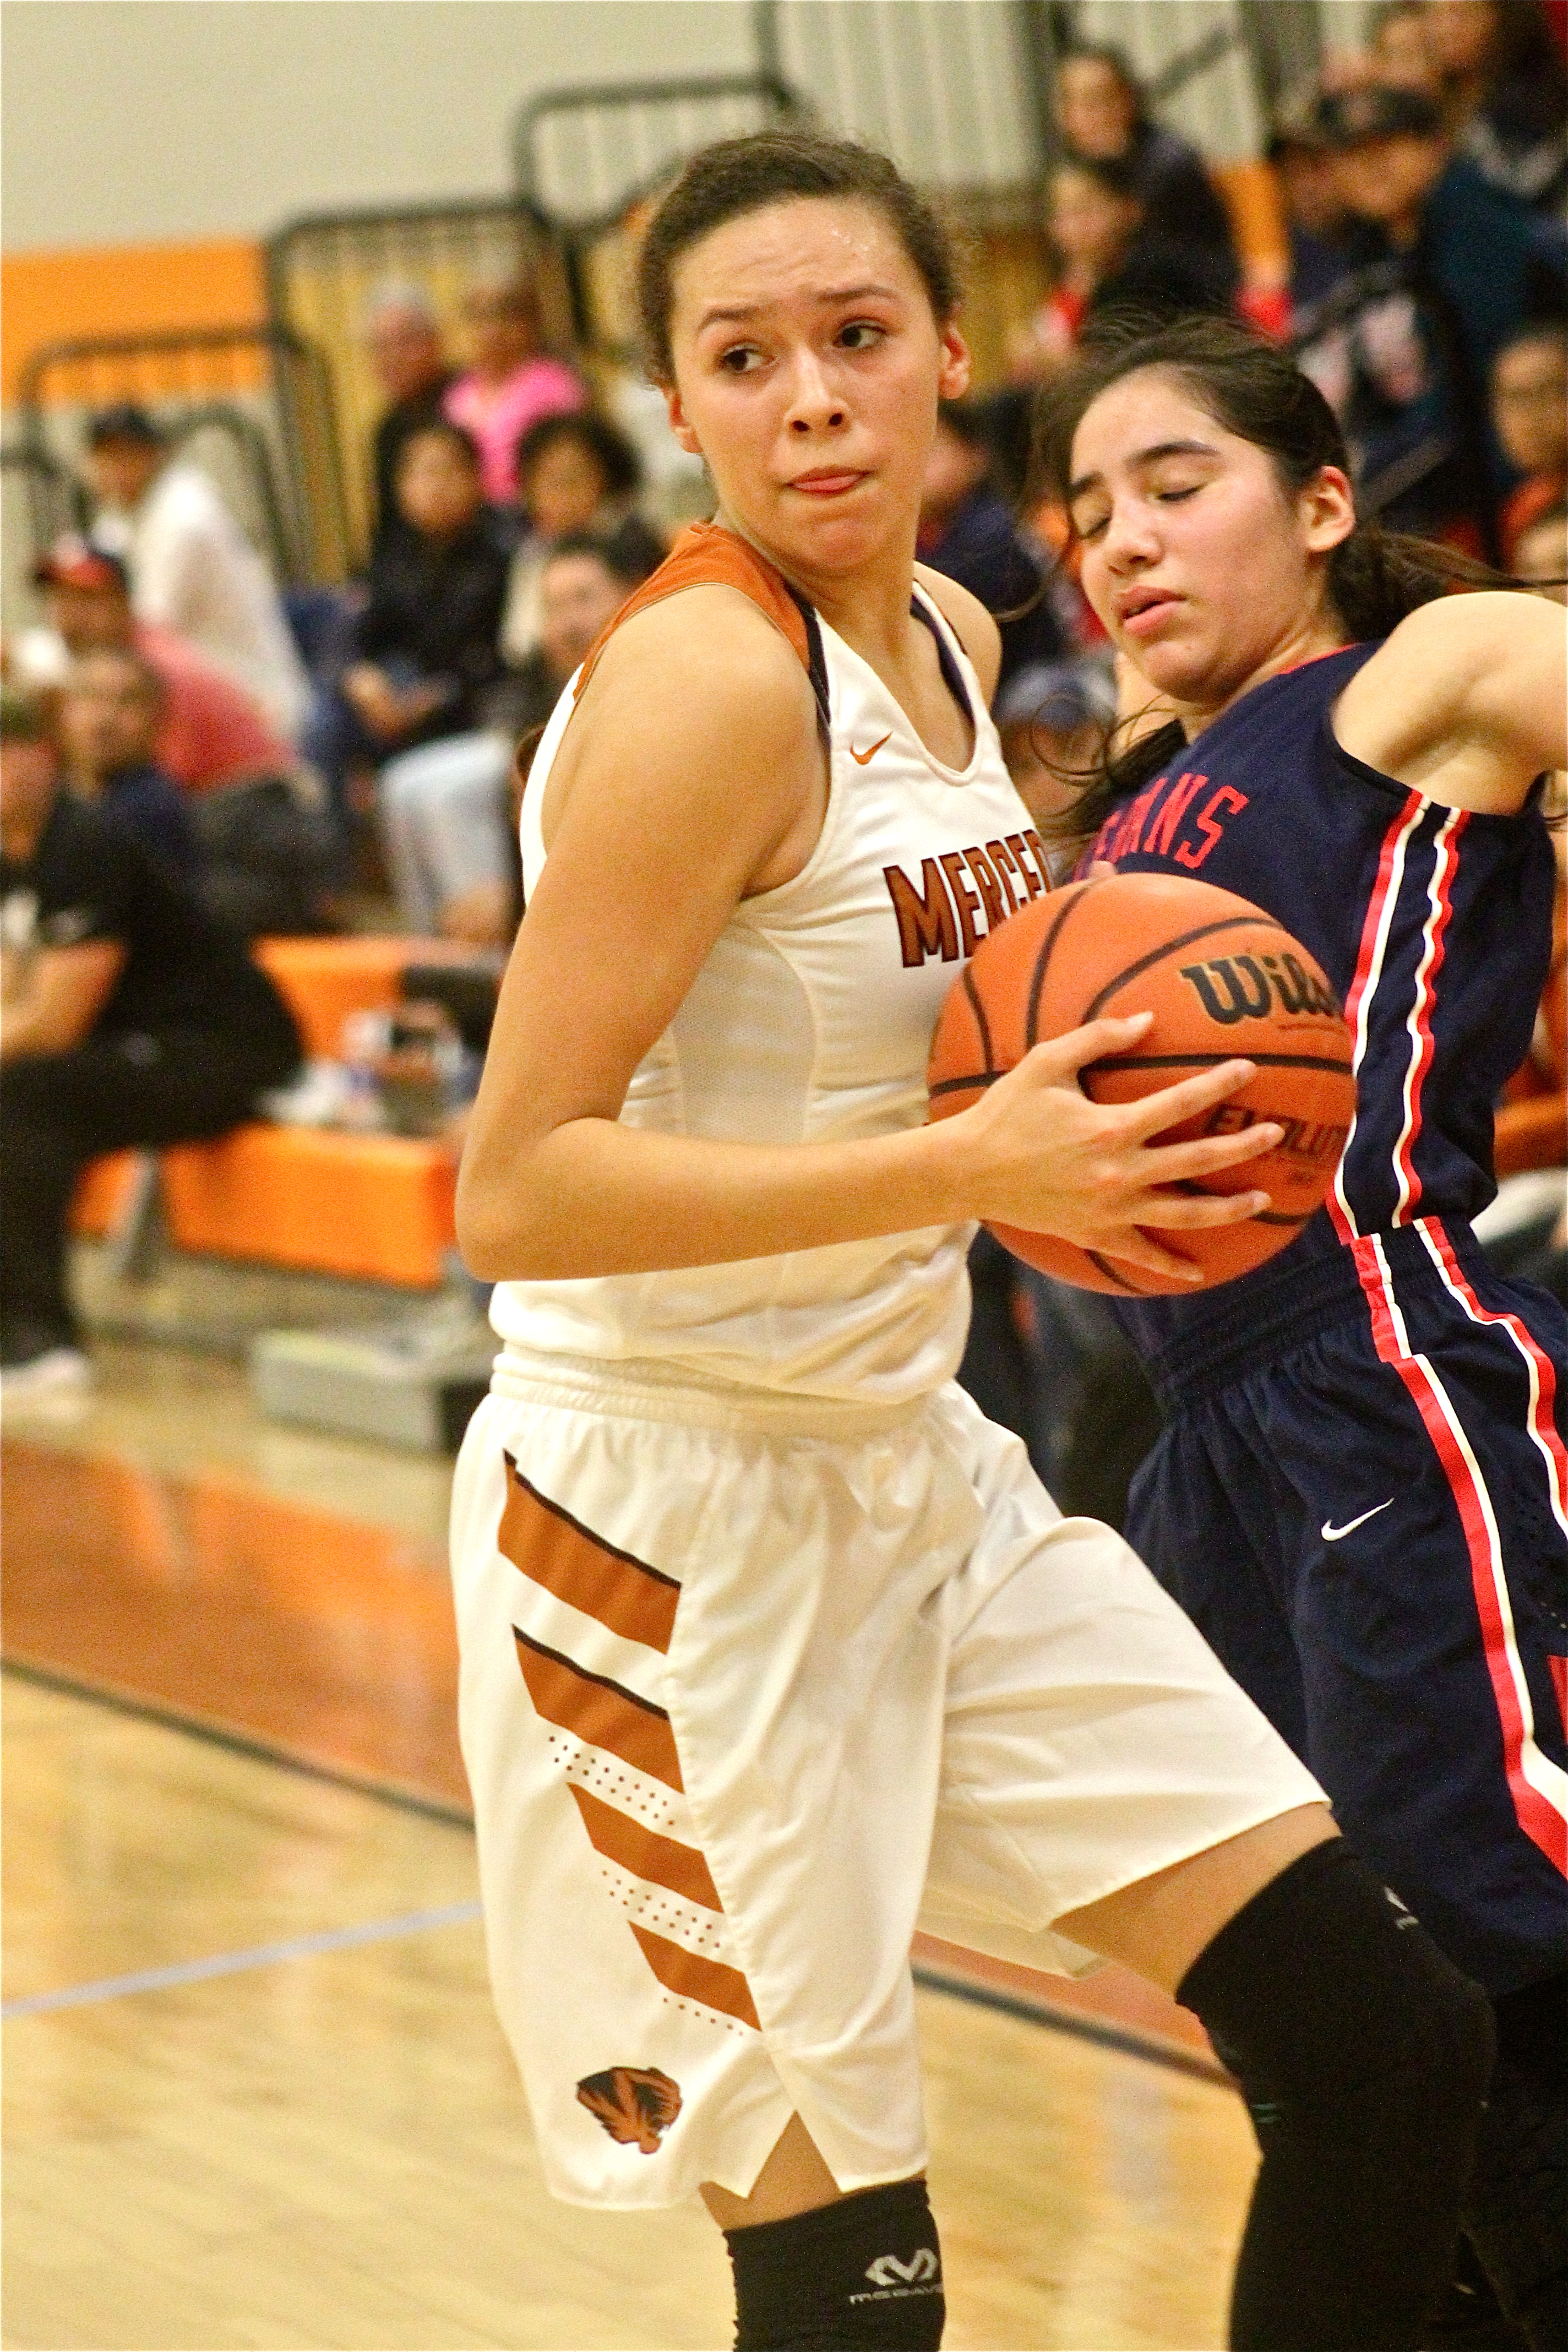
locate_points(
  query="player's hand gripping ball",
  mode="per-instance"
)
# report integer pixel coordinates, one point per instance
(1224, 980)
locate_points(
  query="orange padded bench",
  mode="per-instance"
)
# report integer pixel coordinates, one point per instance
(103, 1193)
(375, 1208)
(325, 980)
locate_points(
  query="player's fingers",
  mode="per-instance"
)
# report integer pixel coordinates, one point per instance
(1058, 1059)
(1174, 1164)
(1170, 1106)
(1140, 1249)
(1190, 1212)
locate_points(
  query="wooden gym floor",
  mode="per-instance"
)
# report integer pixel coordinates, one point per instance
(255, 2092)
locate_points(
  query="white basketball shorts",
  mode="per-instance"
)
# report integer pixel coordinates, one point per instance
(752, 1686)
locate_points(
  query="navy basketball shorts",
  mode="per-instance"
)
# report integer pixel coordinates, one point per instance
(1367, 1517)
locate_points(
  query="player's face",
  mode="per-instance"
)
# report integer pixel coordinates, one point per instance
(1202, 569)
(808, 366)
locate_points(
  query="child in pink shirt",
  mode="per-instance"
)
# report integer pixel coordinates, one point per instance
(511, 383)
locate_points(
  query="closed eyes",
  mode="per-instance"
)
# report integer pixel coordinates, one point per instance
(1089, 532)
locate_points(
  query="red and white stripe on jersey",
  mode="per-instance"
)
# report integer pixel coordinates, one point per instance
(1541, 1371)
(1440, 906)
(1363, 987)
(1371, 972)
(1539, 1787)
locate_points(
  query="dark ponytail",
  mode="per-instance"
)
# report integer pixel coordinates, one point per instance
(1376, 578)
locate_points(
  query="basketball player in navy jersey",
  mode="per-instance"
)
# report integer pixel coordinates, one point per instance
(1362, 1494)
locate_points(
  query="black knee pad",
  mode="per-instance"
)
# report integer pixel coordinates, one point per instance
(865, 2271)
(1516, 2208)
(1365, 2057)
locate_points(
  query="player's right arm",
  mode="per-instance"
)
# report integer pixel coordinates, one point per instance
(691, 778)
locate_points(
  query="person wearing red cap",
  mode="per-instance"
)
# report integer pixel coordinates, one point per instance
(211, 732)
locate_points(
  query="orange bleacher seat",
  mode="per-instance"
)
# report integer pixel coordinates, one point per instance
(103, 1193)
(325, 980)
(377, 1208)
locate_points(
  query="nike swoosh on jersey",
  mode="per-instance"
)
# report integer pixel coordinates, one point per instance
(1330, 1533)
(861, 758)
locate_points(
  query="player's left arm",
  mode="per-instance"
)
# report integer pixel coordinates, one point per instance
(1466, 702)
(970, 623)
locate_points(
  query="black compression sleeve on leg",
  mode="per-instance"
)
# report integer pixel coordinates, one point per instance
(1516, 2209)
(863, 2273)
(1363, 2055)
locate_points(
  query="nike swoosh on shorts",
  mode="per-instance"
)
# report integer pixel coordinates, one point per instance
(1330, 1533)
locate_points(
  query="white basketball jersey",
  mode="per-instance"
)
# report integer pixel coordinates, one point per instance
(811, 1022)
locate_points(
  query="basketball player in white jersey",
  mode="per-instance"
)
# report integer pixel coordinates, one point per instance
(774, 1647)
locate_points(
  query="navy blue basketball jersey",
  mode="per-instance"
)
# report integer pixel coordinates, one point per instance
(1433, 923)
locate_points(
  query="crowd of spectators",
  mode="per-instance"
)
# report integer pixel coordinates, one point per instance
(282, 768)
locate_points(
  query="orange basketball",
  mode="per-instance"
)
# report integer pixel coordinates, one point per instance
(1223, 979)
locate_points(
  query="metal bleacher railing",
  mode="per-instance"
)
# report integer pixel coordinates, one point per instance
(587, 159)
(257, 399)
(323, 268)
(55, 499)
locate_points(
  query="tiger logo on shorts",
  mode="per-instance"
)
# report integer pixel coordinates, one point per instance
(637, 2104)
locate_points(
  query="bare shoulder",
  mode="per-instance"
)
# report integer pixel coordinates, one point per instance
(704, 649)
(1465, 700)
(700, 693)
(975, 630)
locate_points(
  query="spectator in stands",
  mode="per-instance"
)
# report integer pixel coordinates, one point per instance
(127, 1017)
(575, 473)
(1505, 94)
(450, 823)
(1530, 417)
(108, 713)
(586, 580)
(511, 383)
(1315, 214)
(210, 732)
(1103, 115)
(403, 342)
(1109, 258)
(193, 570)
(257, 851)
(1442, 270)
(1053, 719)
(1401, 47)
(1541, 553)
(967, 532)
(426, 644)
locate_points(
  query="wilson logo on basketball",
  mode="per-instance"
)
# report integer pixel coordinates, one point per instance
(1246, 987)
(637, 2104)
